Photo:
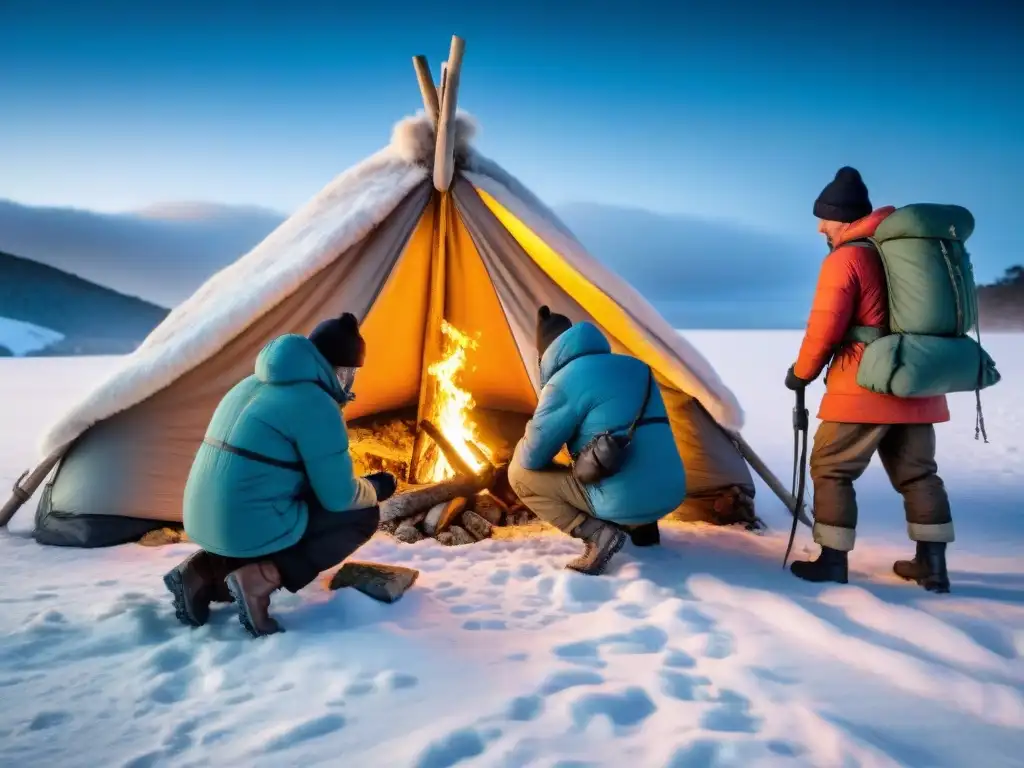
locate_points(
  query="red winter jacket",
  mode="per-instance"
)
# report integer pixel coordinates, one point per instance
(852, 291)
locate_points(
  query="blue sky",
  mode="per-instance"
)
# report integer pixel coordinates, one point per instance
(723, 109)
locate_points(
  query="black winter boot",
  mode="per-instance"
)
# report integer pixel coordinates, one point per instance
(830, 566)
(647, 535)
(928, 568)
(602, 540)
(194, 583)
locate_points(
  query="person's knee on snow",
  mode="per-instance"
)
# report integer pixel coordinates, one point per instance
(586, 390)
(272, 494)
(850, 307)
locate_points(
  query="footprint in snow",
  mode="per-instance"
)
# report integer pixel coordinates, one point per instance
(43, 721)
(301, 732)
(478, 624)
(683, 687)
(624, 709)
(678, 659)
(453, 748)
(719, 645)
(732, 715)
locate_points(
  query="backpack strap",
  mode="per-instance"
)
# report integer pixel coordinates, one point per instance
(864, 334)
(643, 406)
(295, 466)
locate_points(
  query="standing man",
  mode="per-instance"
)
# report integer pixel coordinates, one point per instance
(272, 497)
(855, 422)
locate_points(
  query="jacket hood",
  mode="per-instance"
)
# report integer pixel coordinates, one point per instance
(582, 339)
(292, 359)
(864, 227)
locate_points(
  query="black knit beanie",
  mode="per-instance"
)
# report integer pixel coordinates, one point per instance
(339, 341)
(845, 199)
(549, 327)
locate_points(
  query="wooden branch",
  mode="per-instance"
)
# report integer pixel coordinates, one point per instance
(454, 459)
(444, 150)
(477, 451)
(431, 102)
(26, 486)
(418, 500)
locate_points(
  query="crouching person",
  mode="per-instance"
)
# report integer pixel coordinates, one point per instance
(272, 497)
(586, 391)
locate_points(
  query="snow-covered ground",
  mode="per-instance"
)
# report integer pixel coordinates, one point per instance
(702, 652)
(21, 338)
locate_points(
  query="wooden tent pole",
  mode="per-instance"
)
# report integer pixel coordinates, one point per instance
(27, 485)
(773, 482)
(433, 343)
(427, 88)
(444, 150)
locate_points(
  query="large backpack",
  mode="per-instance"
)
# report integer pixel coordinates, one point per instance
(933, 306)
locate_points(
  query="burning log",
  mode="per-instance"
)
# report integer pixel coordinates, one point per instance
(411, 502)
(455, 460)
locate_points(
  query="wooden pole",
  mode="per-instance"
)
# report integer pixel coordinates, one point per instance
(769, 478)
(26, 486)
(444, 150)
(433, 345)
(431, 104)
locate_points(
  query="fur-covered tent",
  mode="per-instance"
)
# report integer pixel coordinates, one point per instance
(425, 230)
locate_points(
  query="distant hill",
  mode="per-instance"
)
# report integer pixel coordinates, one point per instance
(1001, 305)
(90, 318)
(161, 254)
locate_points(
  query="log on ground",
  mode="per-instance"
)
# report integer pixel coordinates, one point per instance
(386, 583)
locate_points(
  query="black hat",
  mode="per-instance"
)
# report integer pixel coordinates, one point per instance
(549, 327)
(845, 199)
(339, 341)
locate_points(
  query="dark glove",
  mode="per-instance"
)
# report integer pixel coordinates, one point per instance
(793, 381)
(384, 484)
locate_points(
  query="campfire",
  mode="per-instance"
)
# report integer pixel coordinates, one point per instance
(450, 425)
(457, 491)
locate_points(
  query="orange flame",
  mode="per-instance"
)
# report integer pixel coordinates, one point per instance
(452, 404)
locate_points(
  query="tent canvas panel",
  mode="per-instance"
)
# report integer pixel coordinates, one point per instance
(496, 372)
(146, 451)
(711, 460)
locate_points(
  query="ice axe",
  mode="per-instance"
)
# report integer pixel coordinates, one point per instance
(800, 427)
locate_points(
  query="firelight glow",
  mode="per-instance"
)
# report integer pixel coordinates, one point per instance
(452, 405)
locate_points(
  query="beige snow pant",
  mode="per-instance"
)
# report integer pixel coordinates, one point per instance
(552, 494)
(840, 455)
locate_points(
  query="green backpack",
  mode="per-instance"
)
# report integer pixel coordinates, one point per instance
(933, 305)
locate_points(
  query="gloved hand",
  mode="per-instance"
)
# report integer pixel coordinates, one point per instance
(793, 381)
(384, 484)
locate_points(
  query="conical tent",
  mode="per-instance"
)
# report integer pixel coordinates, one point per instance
(403, 244)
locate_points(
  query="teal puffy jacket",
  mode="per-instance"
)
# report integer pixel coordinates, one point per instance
(586, 390)
(289, 411)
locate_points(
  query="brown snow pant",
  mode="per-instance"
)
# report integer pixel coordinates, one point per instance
(552, 494)
(840, 455)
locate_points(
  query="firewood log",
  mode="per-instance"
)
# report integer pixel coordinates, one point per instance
(411, 502)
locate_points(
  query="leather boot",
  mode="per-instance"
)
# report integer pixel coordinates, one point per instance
(647, 535)
(251, 586)
(602, 541)
(831, 565)
(194, 583)
(928, 568)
